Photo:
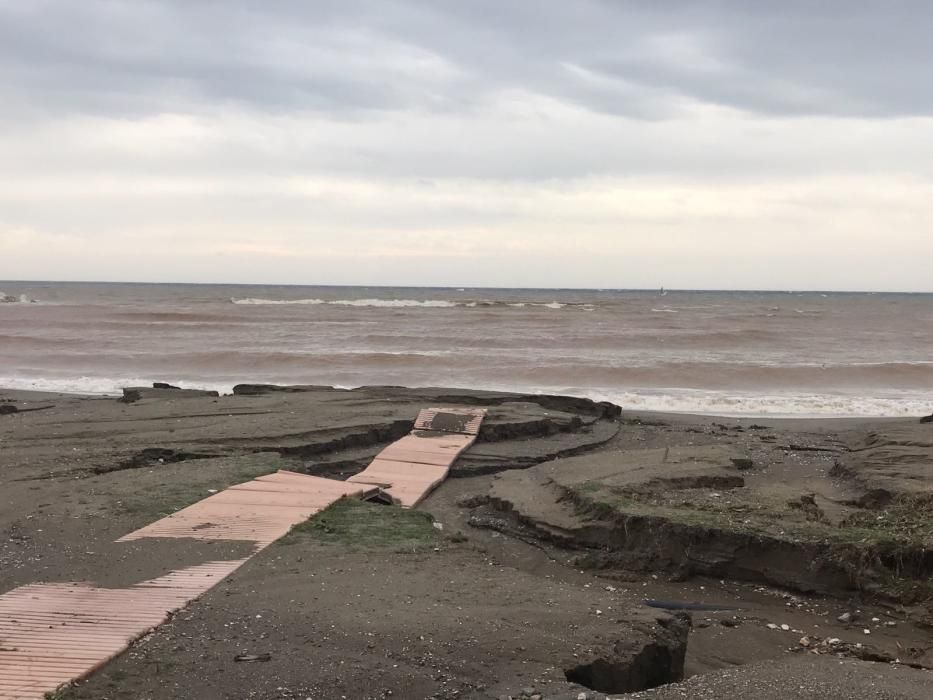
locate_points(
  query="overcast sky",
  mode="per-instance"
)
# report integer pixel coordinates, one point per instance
(570, 143)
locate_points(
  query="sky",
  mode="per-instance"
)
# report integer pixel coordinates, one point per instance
(519, 143)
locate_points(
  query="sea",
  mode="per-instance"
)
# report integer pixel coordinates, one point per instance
(733, 353)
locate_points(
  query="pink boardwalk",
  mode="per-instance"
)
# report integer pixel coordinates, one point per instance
(53, 633)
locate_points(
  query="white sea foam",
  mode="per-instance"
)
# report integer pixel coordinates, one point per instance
(102, 386)
(387, 303)
(713, 403)
(11, 299)
(277, 302)
(398, 303)
(796, 405)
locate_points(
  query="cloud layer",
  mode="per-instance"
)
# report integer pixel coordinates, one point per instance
(528, 143)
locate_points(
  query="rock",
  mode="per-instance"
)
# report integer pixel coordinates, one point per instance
(772, 626)
(473, 500)
(786, 628)
(846, 618)
(7, 409)
(163, 385)
(742, 463)
(137, 393)
(927, 419)
(729, 622)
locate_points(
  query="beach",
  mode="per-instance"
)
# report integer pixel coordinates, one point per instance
(532, 567)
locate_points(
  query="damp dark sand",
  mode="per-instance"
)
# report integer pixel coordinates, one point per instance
(556, 527)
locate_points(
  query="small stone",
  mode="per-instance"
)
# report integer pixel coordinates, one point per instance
(805, 641)
(786, 628)
(866, 631)
(846, 618)
(581, 696)
(876, 619)
(772, 626)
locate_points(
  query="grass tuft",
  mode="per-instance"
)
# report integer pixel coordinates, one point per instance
(357, 524)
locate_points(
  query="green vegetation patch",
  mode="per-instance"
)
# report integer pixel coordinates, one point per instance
(906, 523)
(200, 478)
(360, 525)
(907, 520)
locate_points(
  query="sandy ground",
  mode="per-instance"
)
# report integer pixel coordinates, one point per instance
(465, 611)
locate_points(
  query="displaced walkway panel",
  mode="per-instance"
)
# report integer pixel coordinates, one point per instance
(261, 511)
(410, 468)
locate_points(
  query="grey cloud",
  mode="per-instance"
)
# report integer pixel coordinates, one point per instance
(638, 59)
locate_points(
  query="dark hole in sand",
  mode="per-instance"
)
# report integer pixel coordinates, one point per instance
(658, 663)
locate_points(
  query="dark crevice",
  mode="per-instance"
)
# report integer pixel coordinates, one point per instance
(151, 456)
(461, 469)
(618, 670)
(374, 435)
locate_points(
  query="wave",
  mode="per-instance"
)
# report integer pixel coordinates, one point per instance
(724, 376)
(11, 299)
(412, 303)
(101, 386)
(388, 303)
(788, 405)
(712, 403)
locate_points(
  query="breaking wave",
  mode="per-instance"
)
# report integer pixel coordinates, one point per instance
(789, 405)
(11, 299)
(389, 303)
(407, 303)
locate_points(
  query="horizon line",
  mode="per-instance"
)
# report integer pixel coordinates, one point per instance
(468, 286)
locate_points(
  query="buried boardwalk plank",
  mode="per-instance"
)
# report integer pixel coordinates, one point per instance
(55, 633)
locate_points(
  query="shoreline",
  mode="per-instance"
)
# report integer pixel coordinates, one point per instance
(17, 394)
